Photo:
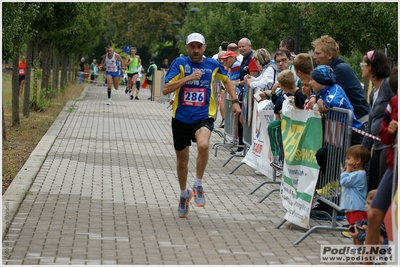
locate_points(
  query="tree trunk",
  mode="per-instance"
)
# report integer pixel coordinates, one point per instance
(36, 59)
(4, 123)
(15, 91)
(56, 63)
(69, 69)
(27, 90)
(64, 71)
(46, 66)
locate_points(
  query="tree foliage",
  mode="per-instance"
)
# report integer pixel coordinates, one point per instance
(66, 31)
(361, 26)
(356, 26)
(17, 18)
(145, 23)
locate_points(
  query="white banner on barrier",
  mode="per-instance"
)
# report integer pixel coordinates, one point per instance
(302, 137)
(259, 155)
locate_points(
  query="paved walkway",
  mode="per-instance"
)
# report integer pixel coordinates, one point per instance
(105, 192)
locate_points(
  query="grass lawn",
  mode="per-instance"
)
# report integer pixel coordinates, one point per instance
(22, 140)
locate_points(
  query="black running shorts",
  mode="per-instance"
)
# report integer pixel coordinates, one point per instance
(132, 74)
(184, 133)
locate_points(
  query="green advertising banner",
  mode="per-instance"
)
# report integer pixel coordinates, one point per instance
(302, 137)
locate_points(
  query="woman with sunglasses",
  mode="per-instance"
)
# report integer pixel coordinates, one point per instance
(375, 67)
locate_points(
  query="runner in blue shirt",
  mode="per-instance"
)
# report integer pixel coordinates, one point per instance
(193, 112)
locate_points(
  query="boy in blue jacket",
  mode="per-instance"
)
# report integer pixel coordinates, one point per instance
(323, 80)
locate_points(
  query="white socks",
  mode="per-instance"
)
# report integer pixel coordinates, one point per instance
(184, 193)
(197, 182)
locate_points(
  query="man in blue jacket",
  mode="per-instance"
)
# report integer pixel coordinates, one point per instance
(326, 52)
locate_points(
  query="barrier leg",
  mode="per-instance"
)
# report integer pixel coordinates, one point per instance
(237, 167)
(267, 195)
(218, 132)
(298, 241)
(223, 145)
(280, 224)
(258, 187)
(231, 157)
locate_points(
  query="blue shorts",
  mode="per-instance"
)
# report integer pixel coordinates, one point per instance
(113, 74)
(383, 197)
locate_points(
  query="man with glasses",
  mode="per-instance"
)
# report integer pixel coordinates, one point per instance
(283, 59)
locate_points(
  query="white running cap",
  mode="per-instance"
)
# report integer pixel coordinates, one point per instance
(195, 37)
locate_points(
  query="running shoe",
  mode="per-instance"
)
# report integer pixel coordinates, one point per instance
(109, 101)
(238, 152)
(183, 208)
(222, 123)
(136, 98)
(131, 97)
(277, 166)
(199, 198)
(116, 90)
(234, 142)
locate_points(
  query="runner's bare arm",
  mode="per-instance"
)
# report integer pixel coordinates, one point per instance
(120, 59)
(172, 86)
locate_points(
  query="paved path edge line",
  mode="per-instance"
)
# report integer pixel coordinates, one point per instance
(19, 187)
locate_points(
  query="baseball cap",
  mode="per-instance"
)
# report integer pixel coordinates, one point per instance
(229, 54)
(195, 37)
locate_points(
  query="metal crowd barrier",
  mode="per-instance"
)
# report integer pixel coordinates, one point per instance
(268, 181)
(247, 107)
(229, 128)
(216, 87)
(337, 137)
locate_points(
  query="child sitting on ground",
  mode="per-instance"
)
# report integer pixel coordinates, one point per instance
(353, 180)
(358, 230)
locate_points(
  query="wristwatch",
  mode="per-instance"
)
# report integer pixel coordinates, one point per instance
(235, 101)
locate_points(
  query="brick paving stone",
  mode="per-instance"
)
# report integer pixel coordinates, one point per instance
(107, 194)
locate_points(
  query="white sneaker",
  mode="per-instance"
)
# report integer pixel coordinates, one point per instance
(238, 153)
(235, 142)
(109, 101)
